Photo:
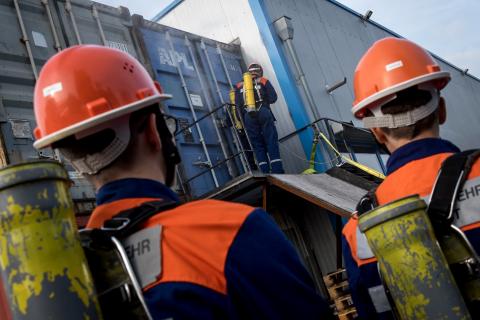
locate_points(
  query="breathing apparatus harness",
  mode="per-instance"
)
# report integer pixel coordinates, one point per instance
(119, 291)
(441, 211)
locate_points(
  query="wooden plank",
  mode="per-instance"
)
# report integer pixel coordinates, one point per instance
(325, 191)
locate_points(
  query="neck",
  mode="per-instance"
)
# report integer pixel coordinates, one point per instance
(393, 145)
(113, 174)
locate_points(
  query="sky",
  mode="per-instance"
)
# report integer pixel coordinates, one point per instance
(448, 28)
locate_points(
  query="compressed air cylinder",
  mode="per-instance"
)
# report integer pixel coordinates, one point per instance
(43, 270)
(249, 92)
(411, 262)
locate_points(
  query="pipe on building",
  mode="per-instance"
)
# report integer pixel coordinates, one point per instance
(284, 29)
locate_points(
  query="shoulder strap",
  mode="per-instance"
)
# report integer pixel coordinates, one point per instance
(126, 221)
(450, 181)
(368, 202)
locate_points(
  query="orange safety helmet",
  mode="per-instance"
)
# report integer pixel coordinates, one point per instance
(390, 66)
(87, 86)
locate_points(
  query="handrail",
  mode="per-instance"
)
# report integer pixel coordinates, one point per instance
(201, 118)
(348, 124)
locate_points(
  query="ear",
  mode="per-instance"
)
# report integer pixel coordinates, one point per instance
(379, 134)
(442, 111)
(151, 133)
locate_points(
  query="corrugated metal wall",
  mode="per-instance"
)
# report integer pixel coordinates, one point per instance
(330, 40)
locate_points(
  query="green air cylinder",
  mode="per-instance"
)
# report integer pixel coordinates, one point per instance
(44, 273)
(411, 262)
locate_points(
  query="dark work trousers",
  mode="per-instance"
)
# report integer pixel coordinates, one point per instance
(264, 138)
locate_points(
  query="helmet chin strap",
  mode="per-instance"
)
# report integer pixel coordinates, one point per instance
(381, 120)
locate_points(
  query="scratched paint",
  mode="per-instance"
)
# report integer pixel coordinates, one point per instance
(42, 264)
(411, 262)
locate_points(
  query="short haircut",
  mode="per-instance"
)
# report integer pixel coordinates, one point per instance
(407, 100)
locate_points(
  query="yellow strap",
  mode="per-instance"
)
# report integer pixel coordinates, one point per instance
(238, 124)
(353, 163)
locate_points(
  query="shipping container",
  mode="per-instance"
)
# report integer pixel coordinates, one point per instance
(31, 32)
(28, 38)
(199, 73)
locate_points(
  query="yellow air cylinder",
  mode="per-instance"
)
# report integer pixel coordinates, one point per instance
(411, 262)
(249, 92)
(44, 273)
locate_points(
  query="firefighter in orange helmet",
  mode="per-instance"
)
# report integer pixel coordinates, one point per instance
(397, 88)
(206, 259)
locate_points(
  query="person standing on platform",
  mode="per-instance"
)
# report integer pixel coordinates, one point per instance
(260, 123)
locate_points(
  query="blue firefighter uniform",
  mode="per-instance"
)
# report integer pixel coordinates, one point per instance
(412, 169)
(261, 126)
(219, 260)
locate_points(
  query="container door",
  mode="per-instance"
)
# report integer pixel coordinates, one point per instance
(203, 163)
(223, 69)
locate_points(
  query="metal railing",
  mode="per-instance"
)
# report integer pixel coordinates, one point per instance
(347, 139)
(222, 118)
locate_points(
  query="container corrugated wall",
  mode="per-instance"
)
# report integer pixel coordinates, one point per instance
(31, 32)
(199, 73)
(86, 22)
(27, 42)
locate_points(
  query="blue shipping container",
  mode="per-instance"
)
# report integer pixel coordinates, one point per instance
(199, 73)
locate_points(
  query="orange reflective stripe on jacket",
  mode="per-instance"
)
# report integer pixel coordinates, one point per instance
(195, 238)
